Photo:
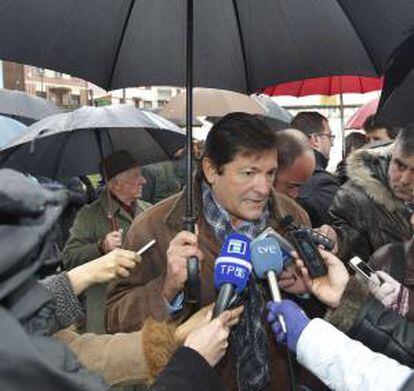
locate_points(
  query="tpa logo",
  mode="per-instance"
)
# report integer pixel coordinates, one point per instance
(237, 247)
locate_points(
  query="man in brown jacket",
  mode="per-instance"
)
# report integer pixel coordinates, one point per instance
(233, 192)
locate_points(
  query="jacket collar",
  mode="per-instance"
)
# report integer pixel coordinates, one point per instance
(321, 161)
(115, 207)
(368, 169)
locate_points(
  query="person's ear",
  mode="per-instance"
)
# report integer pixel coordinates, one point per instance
(314, 141)
(209, 170)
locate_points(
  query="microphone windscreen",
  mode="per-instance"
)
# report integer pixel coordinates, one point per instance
(233, 265)
(266, 255)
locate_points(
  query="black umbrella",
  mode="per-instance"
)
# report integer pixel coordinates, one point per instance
(396, 102)
(73, 144)
(240, 45)
(24, 107)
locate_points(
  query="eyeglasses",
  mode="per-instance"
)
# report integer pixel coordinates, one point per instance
(330, 136)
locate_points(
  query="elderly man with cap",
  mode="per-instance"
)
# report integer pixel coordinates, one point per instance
(98, 227)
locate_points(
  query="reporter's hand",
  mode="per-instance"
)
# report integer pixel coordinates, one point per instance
(386, 292)
(290, 280)
(329, 232)
(328, 289)
(211, 339)
(117, 263)
(112, 241)
(182, 246)
(200, 319)
(296, 320)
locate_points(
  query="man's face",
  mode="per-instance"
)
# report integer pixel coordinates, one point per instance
(129, 185)
(326, 140)
(378, 135)
(289, 180)
(401, 175)
(244, 185)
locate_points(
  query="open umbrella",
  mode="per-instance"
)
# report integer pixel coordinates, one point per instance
(24, 107)
(397, 109)
(359, 117)
(9, 130)
(273, 110)
(395, 106)
(73, 144)
(210, 102)
(237, 45)
(328, 85)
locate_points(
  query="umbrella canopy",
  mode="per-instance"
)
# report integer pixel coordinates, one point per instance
(9, 130)
(74, 143)
(397, 110)
(395, 107)
(210, 102)
(238, 45)
(24, 107)
(359, 117)
(329, 85)
(273, 110)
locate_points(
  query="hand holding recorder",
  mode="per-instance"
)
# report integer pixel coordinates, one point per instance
(330, 287)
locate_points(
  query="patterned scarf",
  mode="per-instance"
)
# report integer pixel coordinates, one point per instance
(249, 339)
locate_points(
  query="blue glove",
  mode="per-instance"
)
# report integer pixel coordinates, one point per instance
(296, 320)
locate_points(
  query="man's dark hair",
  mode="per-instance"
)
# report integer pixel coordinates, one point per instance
(371, 124)
(308, 122)
(237, 133)
(354, 141)
(405, 140)
(291, 144)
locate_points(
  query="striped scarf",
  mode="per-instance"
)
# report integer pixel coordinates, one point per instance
(249, 339)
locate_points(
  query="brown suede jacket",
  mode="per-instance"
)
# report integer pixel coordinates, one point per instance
(133, 299)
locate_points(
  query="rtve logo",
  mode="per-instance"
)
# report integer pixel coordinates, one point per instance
(267, 249)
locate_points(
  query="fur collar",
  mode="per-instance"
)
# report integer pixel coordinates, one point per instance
(367, 168)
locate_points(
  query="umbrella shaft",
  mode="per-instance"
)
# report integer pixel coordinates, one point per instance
(189, 109)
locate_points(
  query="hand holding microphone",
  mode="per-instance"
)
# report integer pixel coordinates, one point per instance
(296, 321)
(231, 271)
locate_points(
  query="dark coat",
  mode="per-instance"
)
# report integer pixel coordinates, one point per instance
(365, 213)
(188, 371)
(30, 359)
(317, 194)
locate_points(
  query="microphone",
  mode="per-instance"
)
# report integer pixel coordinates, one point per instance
(232, 270)
(267, 260)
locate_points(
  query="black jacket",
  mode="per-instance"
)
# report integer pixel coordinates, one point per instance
(317, 194)
(365, 319)
(188, 371)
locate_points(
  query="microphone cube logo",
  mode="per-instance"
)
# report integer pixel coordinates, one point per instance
(237, 247)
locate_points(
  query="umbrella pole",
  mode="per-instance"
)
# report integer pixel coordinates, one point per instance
(341, 108)
(193, 281)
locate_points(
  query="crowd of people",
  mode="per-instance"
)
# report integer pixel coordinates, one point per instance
(114, 311)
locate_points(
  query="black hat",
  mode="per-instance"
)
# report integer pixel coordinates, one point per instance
(116, 163)
(27, 214)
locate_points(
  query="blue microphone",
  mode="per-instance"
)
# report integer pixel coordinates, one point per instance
(267, 260)
(231, 270)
